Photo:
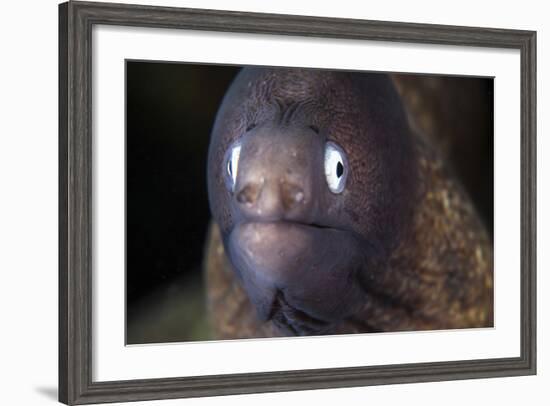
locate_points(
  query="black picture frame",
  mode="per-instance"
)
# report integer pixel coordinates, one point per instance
(76, 20)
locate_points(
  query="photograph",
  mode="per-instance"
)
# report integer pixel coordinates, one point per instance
(273, 201)
(255, 201)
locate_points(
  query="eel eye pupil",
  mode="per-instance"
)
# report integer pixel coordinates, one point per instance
(229, 168)
(339, 169)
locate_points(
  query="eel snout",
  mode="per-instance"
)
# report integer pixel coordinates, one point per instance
(278, 172)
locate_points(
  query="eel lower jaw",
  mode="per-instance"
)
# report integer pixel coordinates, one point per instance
(311, 264)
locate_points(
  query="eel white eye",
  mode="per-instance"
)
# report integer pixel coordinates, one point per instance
(336, 167)
(232, 165)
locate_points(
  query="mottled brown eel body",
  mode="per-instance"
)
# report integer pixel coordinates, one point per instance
(403, 246)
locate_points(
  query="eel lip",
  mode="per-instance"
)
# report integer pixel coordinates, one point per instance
(286, 223)
(277, 246)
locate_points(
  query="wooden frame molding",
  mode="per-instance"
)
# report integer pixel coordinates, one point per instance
(76, 20)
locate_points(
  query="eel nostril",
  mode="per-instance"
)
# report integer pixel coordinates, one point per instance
(248, 194)
(291, 195)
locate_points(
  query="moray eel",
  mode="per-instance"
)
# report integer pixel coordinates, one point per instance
(331, 215)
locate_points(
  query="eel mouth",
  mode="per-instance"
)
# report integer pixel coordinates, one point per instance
(288, 223)
(298, 275)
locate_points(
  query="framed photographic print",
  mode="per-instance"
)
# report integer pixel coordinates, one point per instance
(255, 202)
